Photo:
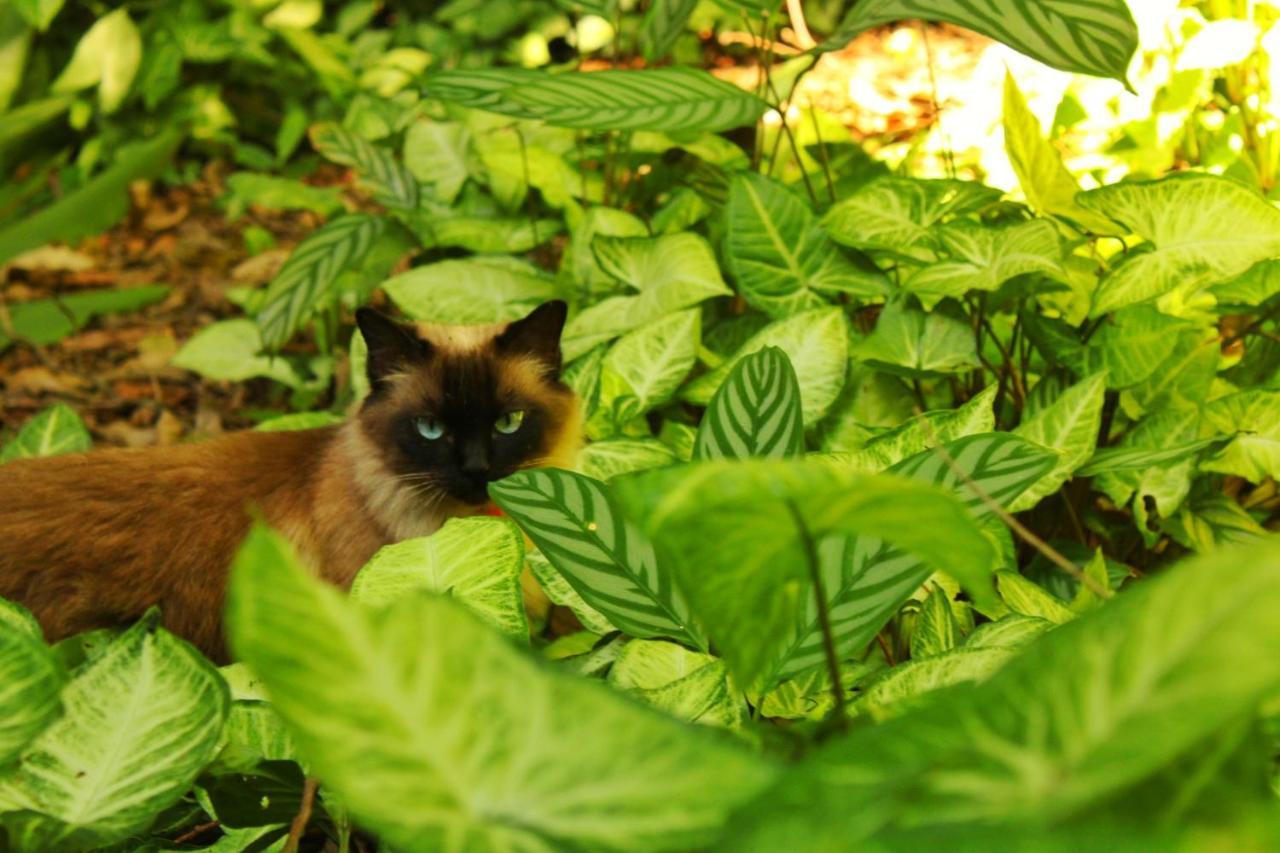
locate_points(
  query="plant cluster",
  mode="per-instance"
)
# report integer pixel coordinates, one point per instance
(878, 469)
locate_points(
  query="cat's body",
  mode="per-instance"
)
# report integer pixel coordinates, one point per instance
(93, 540)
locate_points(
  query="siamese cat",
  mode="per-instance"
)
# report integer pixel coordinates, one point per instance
(92, 540)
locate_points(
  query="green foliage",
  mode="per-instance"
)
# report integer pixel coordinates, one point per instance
(56, 430)
(47, 321)
(756, 412)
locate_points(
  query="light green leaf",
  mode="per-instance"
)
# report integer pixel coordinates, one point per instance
(478, 561)
(277, 193)
(679, 99)
(1252, 287)
(107, 56)
(378, 171)
(140, 721)
(897, 690)
(1069, 426)
(781, 259)
(586, 226)
(572, 520)
(56, 430)
(1159, 489)
(1108, 460)
(906, 340)
(230, 350)
(1255, 453)
(254, 733)
(730, 530)
(924, 431)
(645, 367)
(438, 153)
(1201, 229)
(604, 460)
(816, 342)
(867, 579)
(1028, 599)
(688, 685)
(1132, 344)
(1010, 632)
(1048, 186)
(299, 420)
(307, 277)
(897, 215)
(30, 680)
(755, 412)
(47, 321)
(438, 734)
(38, 13)
(470, 290)
(663, 23)
(982, 257)
(1086, 36)
(561, 592)
(936, 630)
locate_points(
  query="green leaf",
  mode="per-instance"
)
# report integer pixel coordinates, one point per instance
(688, 685)
(755, 412)
(816, 342)
(1010, 632)
(1069, 425)
(561, 592)
(95, 206)
(470, 290)
(1201, 229)
(982, 257)
(867, 579)
(663, 23)
(1252, 287)
(230, 350)
(645, 367)
(47, 321)
(896, 215)
(54, 431)
(437, 153)
(299, 420)
(30, 680)
(107, 56)
(926, 430)
(936, 630)
(478, 561)
(1160, 489)
(38, 13)
(781, 259)
(909, 341)
(686, 100)
(389, 181)
(1045, 181)
(902, 687)
(140, 721)
(730, 530)
(276, 193)
(1112, 459)
(1085, 36)
(254, 733)
(572, 520)
(436, 733)
(1255, 453)
(1135, 684)
(1028, 599)
(604, 460)
(307, 277)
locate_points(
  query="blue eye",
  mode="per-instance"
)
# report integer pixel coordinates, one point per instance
(429, 428)
(509, 423)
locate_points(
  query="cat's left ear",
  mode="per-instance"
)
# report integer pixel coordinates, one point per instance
(537, 335)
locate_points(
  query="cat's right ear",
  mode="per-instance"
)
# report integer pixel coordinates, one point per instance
(392, 347)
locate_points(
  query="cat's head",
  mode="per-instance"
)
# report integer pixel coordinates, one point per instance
(453, 408)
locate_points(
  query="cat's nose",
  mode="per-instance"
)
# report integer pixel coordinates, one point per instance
(475, 460)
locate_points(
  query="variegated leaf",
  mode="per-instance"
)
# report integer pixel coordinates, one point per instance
(755, 412)
(389, 181)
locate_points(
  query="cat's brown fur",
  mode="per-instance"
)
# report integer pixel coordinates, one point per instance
(92, 540)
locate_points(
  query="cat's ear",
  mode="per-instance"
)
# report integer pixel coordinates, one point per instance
(537, 335)
(392, 347)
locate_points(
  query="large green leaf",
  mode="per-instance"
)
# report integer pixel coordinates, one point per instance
(572, 520)
(470, 290)
(755, 412)
(731, 532)
(982, 257)
(1137, 683)
(1068, 425)
(645, 367)
(681, 99)
(38, 13)
(781, 259)
(56, 430)
(437, 734)
(438, 153)
(817, 344)
(30, 680)
(910, 341)
(478, 561)
(140, 721)
(231, 350)
(1087, 36)
(867, 579)
(664, 21)
(47, 321)
(1202, 230)
(389, 181)
(1255, 453)
(307, 277)
(897, 215)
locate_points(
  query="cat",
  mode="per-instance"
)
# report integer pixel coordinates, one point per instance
(94, 539)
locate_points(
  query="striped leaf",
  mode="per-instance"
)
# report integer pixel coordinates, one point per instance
(1086, 36)
(57, 429)
(141, 720)
(1068, 425)
(868, 579)
(30, 679)
(756, 412)
(305, 279)
(1111, 459)
(677, 99)
(572, 520)
(389, 181)
(664, 20)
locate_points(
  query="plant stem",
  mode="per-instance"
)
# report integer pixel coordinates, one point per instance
(303, 817)
(824, 618)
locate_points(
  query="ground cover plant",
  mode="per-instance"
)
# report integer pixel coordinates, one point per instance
(914, 512)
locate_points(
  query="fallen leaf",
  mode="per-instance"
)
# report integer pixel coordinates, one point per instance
(41, 380)
(53, 258)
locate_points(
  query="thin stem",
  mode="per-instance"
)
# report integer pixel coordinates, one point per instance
(303, 817)
(823, 157)
(824, 617)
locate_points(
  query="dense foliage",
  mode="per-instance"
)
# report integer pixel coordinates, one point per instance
(942, 511)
